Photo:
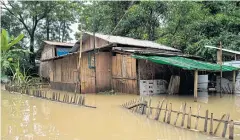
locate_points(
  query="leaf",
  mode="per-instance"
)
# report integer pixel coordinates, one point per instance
(16, 40)
(4, 40)
(10, 59)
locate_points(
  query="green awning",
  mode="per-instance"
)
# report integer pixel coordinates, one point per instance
(186, 63)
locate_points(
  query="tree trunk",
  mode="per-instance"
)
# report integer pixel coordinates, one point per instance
(47, 27)
(31, 55)
(63, 31)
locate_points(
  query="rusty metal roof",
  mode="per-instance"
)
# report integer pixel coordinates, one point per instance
(65, 44)
(131, 41)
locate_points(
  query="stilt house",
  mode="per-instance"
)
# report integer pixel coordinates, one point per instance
(111, 65)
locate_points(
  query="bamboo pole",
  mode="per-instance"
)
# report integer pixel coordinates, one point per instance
(231, 130)
(169, 114)
(206, 121)
(197, 118)
(178, 114)
(189, 118)
(220, 57)
(165, 113)
(211, 125)
(234, 82)
(225, 126)
(79, 62)
(195, 85)
(159, 109)
(183, 115)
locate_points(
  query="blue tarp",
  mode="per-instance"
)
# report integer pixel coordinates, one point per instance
(62, 51)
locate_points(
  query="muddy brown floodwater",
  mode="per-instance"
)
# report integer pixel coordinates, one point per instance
(29, 118)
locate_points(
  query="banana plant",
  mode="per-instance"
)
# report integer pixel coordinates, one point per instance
(7, 52)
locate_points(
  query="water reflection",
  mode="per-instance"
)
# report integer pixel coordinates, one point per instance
(28, 118)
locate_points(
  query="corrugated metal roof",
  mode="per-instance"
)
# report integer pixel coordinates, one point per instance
(226, 50)
(132, 41)
(59, 43)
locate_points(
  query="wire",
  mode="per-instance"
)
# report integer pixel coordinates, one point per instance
(132, 3)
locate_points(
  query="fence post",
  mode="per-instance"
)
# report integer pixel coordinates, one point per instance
(206, 121)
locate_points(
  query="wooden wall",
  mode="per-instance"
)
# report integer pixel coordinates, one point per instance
(87, 76)
(124, 74)
(48, 52)
(44, 68)
(65, 69)
(103, 70)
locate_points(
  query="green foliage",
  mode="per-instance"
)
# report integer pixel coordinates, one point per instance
(185, 25)
(8, 53)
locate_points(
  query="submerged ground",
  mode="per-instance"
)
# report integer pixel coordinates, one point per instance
(29, 118)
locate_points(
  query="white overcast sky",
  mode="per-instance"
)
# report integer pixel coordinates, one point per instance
(74, 28)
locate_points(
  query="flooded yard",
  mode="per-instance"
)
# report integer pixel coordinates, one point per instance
(30, 118)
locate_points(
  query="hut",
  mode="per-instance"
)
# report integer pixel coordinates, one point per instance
(107, 63)
(51, 50)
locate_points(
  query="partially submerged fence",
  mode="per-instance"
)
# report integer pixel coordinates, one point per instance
(143, 106)
(75, 99)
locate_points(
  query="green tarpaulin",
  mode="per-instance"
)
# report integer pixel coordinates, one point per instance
(186, 63)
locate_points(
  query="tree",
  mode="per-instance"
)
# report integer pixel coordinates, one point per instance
(29, 14)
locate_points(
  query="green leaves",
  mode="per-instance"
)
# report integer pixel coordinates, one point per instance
(6, 42)
(16, 40)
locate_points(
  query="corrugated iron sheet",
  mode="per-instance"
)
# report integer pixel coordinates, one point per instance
(59, 43)
(130, 41)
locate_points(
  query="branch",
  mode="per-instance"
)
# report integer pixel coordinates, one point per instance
(20, 18)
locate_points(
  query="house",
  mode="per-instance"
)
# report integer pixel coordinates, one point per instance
(111, 65)
(50, 50)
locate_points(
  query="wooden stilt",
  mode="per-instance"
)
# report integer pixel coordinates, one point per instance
(206, 121)
(195, 85)
(183, 114)
(234, 82)
(189, 118)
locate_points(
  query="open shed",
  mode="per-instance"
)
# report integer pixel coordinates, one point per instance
(187, 64)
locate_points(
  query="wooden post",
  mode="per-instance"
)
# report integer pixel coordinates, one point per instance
(183, 114)
(211, 124)
(178, 114)
(206, 121)
(159, 110)
(231, 130)
(196, 123)
(225, 126)
(189, 118)
(234, 82)
(169, 114)
(149, 105)
(195, 85)
(165, 114)
(220, 62)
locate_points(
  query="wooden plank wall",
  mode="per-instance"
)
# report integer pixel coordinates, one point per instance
(124, 74)
(87, 76)
(103, 71)
(65, 69)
